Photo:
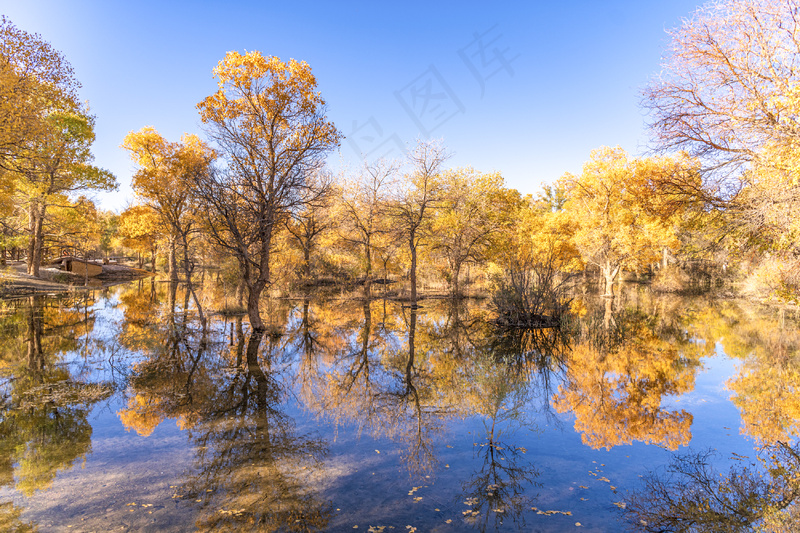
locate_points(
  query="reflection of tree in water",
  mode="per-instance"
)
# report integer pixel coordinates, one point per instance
(403, 378)
(408, 406)
(768, 378)
(10, 519)
(253, 471)
(619, 371)
(692, 495)
(496, 493)
(43, 423)
(539, 354)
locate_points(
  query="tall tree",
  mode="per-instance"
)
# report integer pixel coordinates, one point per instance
(415, 201)
(58, 164)
(728, 94)
(729, 82)
(33, 78)
(307, 224)
(471, 214)
(363, 202)
(613, 228)
(269, 123)
(140, 229)
(164, 181)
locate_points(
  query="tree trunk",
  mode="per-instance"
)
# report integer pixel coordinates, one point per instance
(36, 228)
(367, 269)
(307, 262)
(610, 272)
(253, 299)
(413, 271)
(257, 286)
(239, 293)
(173, 269)
(456, 290)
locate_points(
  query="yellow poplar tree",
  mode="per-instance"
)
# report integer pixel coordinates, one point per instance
(269, 123)
(613, 228)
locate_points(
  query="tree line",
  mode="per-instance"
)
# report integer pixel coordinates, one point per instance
(255, 196)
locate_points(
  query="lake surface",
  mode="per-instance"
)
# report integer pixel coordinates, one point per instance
(119, 414)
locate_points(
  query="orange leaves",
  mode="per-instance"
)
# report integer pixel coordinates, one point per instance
(252, 83)
(616, 206)
(166, 169)
(616, 395)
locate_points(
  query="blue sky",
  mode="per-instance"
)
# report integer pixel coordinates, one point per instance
(524, 88)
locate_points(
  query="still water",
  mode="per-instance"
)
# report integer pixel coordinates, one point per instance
(644, 413)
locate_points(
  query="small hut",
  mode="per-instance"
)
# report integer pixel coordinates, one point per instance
(78, 266)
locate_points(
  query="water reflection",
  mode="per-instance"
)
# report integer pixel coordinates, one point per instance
(500, 490)
(43, 423)
(261, 413)
(621, 368)
(253, 470)
(693, 494)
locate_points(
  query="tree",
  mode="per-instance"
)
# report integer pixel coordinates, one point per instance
(269, 124)
(80, 228)
(310, 222)
(164, 180)
(58, 164)
(729, 95)
(33, 78)
(140, 229)
(470, 215)
(363, 202)
(416, 200)
(730, 83)
(614, 230)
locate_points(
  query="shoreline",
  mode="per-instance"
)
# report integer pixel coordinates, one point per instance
(15, 282)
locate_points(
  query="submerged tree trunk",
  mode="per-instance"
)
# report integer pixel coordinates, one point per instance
(610, 272)
(257, 286)
(413, 270)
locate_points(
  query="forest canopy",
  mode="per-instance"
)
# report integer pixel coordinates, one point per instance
(252, 195)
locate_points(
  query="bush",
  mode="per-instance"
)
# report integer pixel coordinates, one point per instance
(535, 296)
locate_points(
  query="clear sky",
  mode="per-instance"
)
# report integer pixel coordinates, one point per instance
(524, 88)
